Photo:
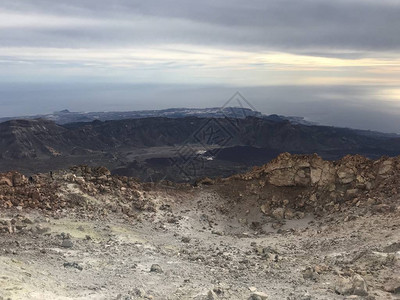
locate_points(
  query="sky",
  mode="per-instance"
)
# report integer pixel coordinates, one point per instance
(333, 62)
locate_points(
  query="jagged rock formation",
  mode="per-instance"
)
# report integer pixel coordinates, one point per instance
(307, 183)
(82, 188)
(286, 187)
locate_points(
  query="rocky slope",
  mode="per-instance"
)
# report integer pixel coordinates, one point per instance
(30, 139)
(298, 227)
(33, 138)
(318, 186)
(132, 147)
(299, 182)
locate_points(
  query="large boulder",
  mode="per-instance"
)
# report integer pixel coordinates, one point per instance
(290, 177)
(386, 168)
(345, 175)
(299, 170)
(393, 285)
(6, 181)
(352, 286)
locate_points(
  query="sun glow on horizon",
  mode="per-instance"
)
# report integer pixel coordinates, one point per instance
(183, 63)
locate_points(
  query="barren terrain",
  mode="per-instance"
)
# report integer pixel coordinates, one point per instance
(297, 228)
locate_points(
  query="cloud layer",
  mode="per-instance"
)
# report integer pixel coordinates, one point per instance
(311, 44)
(279, 25)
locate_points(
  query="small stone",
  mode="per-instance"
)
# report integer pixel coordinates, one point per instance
(299, 214)
(277, 225)
(289, 214)
(310, 274)
(278, 213)
(354, 286)
(186, 239)
(305, 296)
(27, 221)
(265, 209)
(41, 230)
(258, 296)
(65, 235)
(139, 292)
(217, 232)
(67, 243)
(393, 286)
(344, 286)
(381, 208)
(320, 268)
(211, 295)
(360, 287)
(352, 193)
(156, 268)
(370, 201)
(73, 265)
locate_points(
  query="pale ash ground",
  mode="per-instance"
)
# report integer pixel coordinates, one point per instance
(203, 253)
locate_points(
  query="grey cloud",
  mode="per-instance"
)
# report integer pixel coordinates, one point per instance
(340, 28)
(290, 25)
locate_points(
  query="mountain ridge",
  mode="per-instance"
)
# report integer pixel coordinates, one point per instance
(135, 146)
(65, 116)
(158, 131)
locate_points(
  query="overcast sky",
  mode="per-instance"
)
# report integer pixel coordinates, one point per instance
(335, 62)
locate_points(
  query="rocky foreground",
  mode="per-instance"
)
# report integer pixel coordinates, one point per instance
(296, 228)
